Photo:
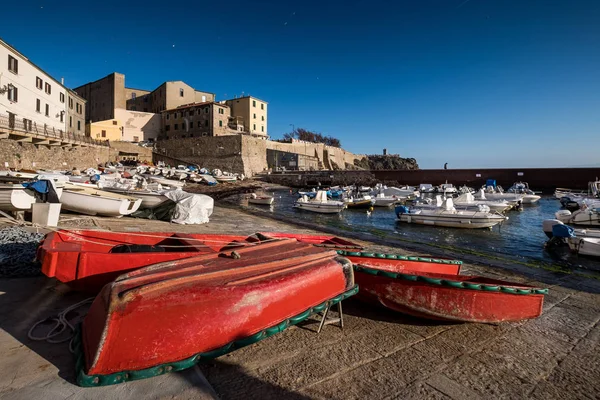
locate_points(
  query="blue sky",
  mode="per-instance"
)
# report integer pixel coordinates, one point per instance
(476, 83)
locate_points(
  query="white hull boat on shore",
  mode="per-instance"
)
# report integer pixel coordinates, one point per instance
(89, 201)
(164, 181)
(14, 197)
(320, 204)
(149, 199)
(260, 200)
(448, 216)
(584, 216)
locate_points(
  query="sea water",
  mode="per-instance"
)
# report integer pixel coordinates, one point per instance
(520, 237)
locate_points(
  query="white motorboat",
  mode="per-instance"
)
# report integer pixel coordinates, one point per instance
(592, 192)
(89, 201)
(586, 215)
(468, 200)
(320, 204)
(427, 188)
(585, 245)
(226, 178)
(448, 216)
(549, 224)
(447, 188)
(262, 200)
(491, 193)
(529, 196)
(14, 197)
(402, 192)
(382, 200)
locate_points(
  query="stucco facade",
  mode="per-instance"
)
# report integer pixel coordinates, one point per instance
(252, 113)
(34, 98)
(109, 129)
(167, 96)
(103, 97)
(197, 120)
(128, 126)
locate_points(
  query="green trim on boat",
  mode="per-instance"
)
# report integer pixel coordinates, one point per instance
(124, 376)
(449, 283)
(396, 257)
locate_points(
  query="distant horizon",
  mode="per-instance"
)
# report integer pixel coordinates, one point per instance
(473, 84)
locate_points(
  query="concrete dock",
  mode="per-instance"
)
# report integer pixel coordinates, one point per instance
(377, 355)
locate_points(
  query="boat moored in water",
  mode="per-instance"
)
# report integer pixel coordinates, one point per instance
(320, 204)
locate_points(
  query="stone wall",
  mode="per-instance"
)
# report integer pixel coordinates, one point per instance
(327, 155)
(21, 155)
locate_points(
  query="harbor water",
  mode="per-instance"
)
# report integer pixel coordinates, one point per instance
(520, 238)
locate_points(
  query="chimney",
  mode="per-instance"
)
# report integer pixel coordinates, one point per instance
(385, 152)
(62, 81)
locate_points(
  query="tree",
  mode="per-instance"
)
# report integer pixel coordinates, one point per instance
(312, 137)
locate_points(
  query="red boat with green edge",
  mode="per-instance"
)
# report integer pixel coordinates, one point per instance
(434, 289)
(87, 259)
(172, 315)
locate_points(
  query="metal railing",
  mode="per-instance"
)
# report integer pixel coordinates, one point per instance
(11, 124)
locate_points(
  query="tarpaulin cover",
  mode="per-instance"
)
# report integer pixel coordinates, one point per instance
(38, 186)
(190, 208)
(563, 231)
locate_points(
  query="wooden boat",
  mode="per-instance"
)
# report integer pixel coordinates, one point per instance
(317, 240)
(359, 203)
(169, 316)
(262, 200)
(87, 260)
(89, 201)
(434, 289)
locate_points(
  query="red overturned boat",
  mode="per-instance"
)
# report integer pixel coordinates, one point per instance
(169, 316)
(434, 289)
(87, 260)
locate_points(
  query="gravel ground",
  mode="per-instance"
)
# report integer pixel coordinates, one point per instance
(17, 252)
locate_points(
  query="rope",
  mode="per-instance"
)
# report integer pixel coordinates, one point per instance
(62, 324)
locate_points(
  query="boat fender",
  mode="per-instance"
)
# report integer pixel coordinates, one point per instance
(235, 255)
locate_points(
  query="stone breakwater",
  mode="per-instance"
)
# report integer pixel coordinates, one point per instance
(17, 252)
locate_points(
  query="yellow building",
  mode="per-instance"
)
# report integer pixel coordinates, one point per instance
(252, 113)
(105, 130)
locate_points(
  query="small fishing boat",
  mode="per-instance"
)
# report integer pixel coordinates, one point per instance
(548, 228)
(587, 246)
(467, 200)
(262, 200)
(15, 197)
(448, 216)
(447, 188)
(585, 216)
(382, 200)
(320, 204)
(150, 199)
(225, 178)
(89, 201)
(580, 241)
(434, 289)
(170, 316)
(361, 202)
(529, 196)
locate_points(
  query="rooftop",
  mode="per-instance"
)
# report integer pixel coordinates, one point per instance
(196, 105)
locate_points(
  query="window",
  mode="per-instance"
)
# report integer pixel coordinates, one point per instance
(48, 88)
(168, 115)
(262, 118)
(133, 95)
(62, 97)
(262, 128)
(199, 124)
(78, 107)
(262, 106)
(62, 116)
(254, 116)
(70, 102)
(220, 123)
(114, 122)
(146, 99)
(181, 92)
(13, 64)
(103, 133)
(254, 127)
(38, 105)
(78, 125)
(253, 103)
(70, 122)
(38, 82)
(206, 110)
(167, 128)
(221, 111)
(206, 123)
(13, 93)
(175, 127)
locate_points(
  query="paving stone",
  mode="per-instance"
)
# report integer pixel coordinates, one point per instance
(374, 380)
(416, 362)
(577, 382)
(487, 381)
(421, 391)
(427, 328)
(388, 340)
(563, 323)
(450, 388)
(460, 339)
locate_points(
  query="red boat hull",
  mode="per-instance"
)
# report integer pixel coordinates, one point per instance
(434, 291)
(318, 240)
(165, 313)
(84, 258)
